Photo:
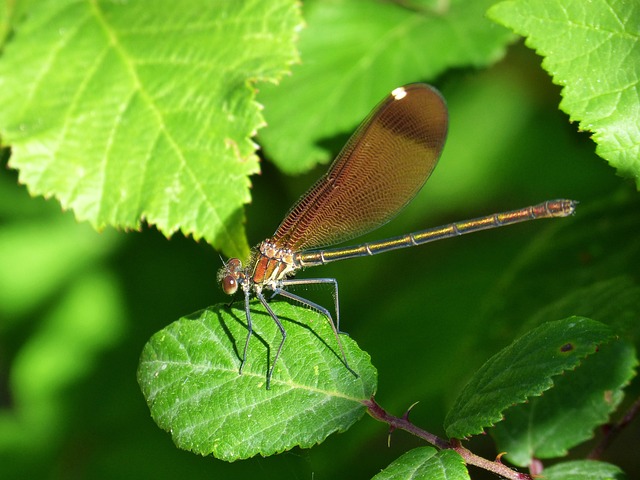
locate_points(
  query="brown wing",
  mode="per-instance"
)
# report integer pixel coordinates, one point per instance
(380, 169)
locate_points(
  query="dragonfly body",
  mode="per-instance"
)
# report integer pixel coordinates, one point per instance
(548, 209)
(380, 169)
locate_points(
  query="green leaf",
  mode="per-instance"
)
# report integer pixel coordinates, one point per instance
(189, 375)
(131, 111)
(583, 470)
(361, 51)
(522, 370)
(565, 416)
(426, 463)
(591, 49)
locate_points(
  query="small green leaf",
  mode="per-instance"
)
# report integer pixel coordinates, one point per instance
(522, 370)
(361, 51)
(132, 111)
(592, 50)
(565, 416)
(583, 470)
(426, 463)
(189, 375)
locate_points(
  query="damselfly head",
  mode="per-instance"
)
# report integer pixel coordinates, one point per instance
(229, 276)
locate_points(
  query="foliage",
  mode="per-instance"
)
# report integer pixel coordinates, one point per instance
(426, 462)
(373, 52)
(602, 40)
(524, 369)
(104, 83)
(143, 116)
(191, 360)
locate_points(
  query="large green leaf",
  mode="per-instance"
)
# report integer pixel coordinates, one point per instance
(189, 376)
(426, 463)
(549, 425)
(354, 53)
(131, 111)
(523, 369)
(591, 49)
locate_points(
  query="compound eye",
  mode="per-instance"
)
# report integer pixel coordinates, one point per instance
(234, 265)
(229, 284)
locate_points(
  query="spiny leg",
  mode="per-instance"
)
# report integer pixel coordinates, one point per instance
(312, 281)
(282, 331)
(323, 311)
(247, 310)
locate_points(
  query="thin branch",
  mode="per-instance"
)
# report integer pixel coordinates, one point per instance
(612, 431)
(495, 466)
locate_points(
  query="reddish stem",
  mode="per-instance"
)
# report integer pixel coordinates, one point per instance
(377, 412)
(614, 430)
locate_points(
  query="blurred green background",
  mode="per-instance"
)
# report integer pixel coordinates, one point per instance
(77, 306)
